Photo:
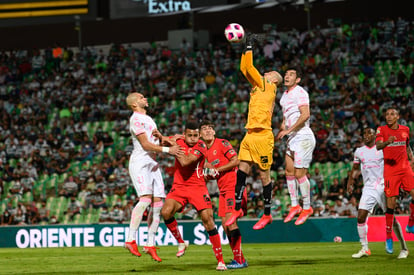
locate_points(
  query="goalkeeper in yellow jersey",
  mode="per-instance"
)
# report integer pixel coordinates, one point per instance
(257, 145)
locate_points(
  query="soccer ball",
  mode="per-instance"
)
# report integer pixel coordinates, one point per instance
(338, 239)
(234, 33)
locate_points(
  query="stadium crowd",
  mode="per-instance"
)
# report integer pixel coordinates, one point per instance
(64, 142)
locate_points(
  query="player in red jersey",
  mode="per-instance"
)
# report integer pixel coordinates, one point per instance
(189, 186)
(222, 166)
(393, 139)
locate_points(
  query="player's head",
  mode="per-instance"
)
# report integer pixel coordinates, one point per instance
(136, 101)
(391, 116)
(274, 77)
(293, 76)
(207, 131)
(191, 133)
(369, 136)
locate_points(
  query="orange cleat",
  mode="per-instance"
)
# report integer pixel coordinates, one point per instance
(292, 213)
(234, 216)
(152, 250)
(264, 220)
(133, 248)
(304, 215)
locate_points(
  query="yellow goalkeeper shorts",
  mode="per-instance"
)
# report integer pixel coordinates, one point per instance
(257, 146)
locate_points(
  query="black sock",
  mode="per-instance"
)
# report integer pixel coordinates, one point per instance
(240, 186)
(213, 232)
(169, 220)
(389, 211)
(267, 198)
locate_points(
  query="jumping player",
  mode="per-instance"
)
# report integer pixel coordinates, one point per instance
(258, 143)
(300, 144)
(145, 173)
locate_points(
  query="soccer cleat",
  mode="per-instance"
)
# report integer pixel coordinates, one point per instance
(292, 213)
(389, 246)
(236, 265)
(133, 248)
(234, 216)
(264, 220)
(221, 266)
(304, 215)
(403, 254)
(409, 229)
(182, 247)
(362, 253)
(152, 250)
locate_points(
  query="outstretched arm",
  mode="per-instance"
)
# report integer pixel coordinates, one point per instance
(249, 71)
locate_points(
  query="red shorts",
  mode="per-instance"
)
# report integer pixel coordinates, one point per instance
(227, 202)
(393, 183)
(196, 195)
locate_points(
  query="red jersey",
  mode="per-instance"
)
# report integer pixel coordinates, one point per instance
(193, 173)
(218, 155)
(395, 155)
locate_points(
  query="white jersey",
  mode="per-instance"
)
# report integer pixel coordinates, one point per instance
(138, 124)
(372, 165)
(290, 102)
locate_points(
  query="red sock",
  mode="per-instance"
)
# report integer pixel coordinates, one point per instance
(172, 226)
(235, 244)
(389, 218)
(411, 219)
(216, 243)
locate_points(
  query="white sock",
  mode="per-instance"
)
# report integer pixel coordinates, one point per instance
(136, 218)
(363, 234)
(398, 232)
(155, 222)
(304, 186)
(292, 187)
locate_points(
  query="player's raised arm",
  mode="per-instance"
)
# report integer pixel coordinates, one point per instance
(247, 67)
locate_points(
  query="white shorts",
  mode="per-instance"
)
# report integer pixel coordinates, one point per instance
(147, 179)
(300, 148)
(372, 197)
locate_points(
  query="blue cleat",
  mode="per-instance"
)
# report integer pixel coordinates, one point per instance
(389, 246)
(235, 265)
(409, 229)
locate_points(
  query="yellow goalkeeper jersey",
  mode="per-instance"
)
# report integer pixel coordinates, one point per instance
(262, 95)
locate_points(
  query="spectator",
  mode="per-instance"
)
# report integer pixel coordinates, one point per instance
(74, 208)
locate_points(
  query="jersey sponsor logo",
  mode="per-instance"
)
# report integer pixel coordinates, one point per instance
(264, 159)
(215, 152)
(404, 135)
(397, 143)
(215, 162)
(378, 130)
(202, 144)
(225, 143)
(232, 152)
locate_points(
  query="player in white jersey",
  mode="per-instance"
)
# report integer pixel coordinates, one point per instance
(300, 144)
(370, 162)
(145, 173)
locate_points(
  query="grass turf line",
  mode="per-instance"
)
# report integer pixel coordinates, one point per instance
(277, 258)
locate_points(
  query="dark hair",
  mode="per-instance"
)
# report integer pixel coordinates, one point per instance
(297, 69)
(191, 125)
(207, 123)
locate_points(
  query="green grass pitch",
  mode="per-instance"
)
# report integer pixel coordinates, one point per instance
(275, 258)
